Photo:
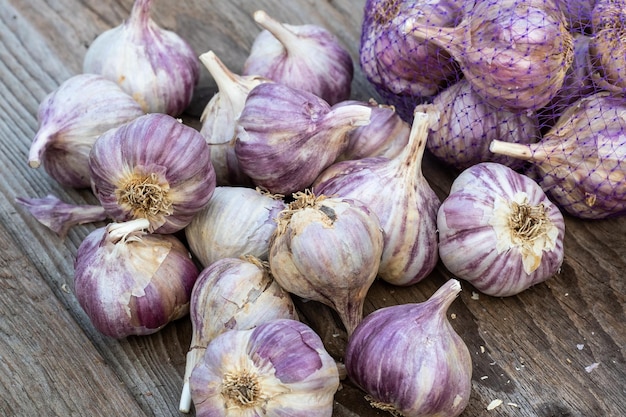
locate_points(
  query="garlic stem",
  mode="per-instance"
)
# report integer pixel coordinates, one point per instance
(444, 37)
(350, 116)
(140, 13)
(41, 141)
(194, 356)
(515, 150)
(226, 80)
(412, 155)
(446, 294)
(285, 36)
(119, 231)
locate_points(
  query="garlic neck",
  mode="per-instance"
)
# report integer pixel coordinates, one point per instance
(227, 82)
(286, 37)
(411, 157)
(140, 13)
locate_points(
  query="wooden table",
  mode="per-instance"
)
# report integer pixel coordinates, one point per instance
(531, 351)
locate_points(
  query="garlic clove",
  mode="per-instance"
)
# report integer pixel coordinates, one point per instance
(219, 118)
(307, 57)
(70, 120)
(328, 249)
(409, 359)
(499, 231)
(153, 167)
(278, 368)
(231, 294)
(130, 282)
(155, 66)
(237, 221)
(287, 136)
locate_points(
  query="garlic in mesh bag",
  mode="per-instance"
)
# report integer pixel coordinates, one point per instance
(608, 44)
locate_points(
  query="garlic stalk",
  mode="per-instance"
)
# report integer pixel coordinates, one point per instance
(409, 359)
(499, 231)
(231, 294)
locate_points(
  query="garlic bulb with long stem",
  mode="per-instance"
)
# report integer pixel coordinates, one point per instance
(219, 118)
(409, 359)
(279, 368)
(231, 294)
(155, 66)
(328, 249)
(237, 221)
(153, 167)
(131, 282)
(70, 120)
(514, 53)
(287, 136)
(306, 57)
(499, 231)
(580, 163)
(397, 191)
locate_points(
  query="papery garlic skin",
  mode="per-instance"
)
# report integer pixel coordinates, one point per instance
(499, 231)
(70, 120)
(279, 368)
(130, 282)
(409, 359)
(307, 57)
(231, 294)
(157, 67)
(154, 167)
(328, 249)
(237, 221)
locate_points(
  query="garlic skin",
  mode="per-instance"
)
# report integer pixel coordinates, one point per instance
(409, 359)
(400, 196)
(307, 57)
(231, 294)
(154, 167)
(287, 136)
(219, 119)
(70, 120)
(130, 282)
(328, 249)
(580, 163)
(606, 46)
(237, 221)
(514, 53)
(279, 368)
(499, 231)
(157, 67)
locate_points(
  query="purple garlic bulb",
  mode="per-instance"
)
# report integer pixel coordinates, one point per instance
(580, 163)
(287, 136)
(409, 359)
(219, 118)
(386, 134)
(514, 53)
(328, 249)
(153, 167)
(405, 204)
(606, 46)
(130, 282)
(70, 120)
(466, 124)
(306, 57)
(231, 294)
(155, 66)
(499, 231)
(403, 68)
(279, 368)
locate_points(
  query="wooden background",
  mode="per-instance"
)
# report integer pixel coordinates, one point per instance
(530, 351)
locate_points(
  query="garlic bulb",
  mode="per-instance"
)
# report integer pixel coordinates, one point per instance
(409, 359)
(328, 249)
(396, 190)
(306, 57)
(287, 136)
(514, 53)
(70, 120)
(499, 231)
(231, 294)
(130, 282)
(279, 368)
(153, 167)
(219, 118)
(403, 68)
(155, 66)
(385, 135)
(237, 221)
(580, 163)
(466, 124)
(606, 46)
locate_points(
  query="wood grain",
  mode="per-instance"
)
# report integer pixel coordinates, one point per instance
(530, 350)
